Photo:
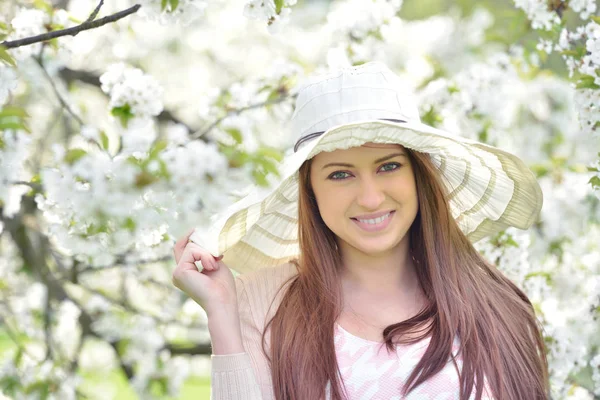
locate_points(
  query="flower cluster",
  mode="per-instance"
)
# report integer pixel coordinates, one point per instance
(357, 25)
(100, 207)
(267, 11)
(182, 12)
(132, 91)
(580, 48)
(588, 104)
(541, 16)
(28, 22)
(488, 101)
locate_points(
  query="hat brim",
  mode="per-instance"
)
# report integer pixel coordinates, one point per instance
(489, 190)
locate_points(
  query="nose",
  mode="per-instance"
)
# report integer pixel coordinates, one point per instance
(370, 194)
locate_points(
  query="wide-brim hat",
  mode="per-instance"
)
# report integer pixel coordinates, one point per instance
(489, 189)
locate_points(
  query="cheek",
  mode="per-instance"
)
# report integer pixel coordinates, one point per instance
(332, 207)
(329, 207)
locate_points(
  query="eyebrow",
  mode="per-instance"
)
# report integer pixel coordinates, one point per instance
(379, 160)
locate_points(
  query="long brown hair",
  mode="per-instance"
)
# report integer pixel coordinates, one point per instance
(500, 338)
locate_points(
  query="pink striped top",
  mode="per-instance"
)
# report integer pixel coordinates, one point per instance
(370, 372)
(367, 370)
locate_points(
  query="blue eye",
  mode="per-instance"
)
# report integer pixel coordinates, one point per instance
(338, 176)
(342, 175)
(393, 166)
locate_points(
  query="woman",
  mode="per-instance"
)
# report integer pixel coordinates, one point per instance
(359, 279)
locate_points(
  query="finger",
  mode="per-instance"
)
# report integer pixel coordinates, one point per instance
(194, 253)
(180, 245)
(208, 260)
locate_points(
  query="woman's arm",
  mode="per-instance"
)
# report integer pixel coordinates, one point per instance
(239, 368)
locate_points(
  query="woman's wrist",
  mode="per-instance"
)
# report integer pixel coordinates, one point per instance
(225, 333)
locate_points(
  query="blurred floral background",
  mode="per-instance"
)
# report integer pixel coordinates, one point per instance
(128, 123)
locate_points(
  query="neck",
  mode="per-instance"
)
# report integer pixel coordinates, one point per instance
(380, 275)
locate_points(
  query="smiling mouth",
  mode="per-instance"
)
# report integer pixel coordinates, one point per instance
(374, 221)
(374, 224)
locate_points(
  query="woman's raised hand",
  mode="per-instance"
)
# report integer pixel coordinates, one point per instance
(213, 288)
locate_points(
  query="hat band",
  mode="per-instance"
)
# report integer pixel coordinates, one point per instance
(317, 134)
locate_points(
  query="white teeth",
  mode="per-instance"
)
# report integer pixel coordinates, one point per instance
(375, 220)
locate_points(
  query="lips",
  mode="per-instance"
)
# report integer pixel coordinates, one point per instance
(376, 224)
(374, 215)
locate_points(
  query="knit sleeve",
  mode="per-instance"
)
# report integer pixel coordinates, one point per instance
(237, 376)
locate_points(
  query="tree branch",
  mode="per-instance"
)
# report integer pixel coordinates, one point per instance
(71, 75)
(198, 349)
(87, 77)
(95, 12)
(198, 135)
(71, 31)
(62, 101)
(35, 186)
(90, 78)
(120, 262)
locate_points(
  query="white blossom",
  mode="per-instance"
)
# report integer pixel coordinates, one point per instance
(27, 22)
(585, 8)
(266, 11)
(588, 105)
(186, 12)
(130, 87)
(539, 13)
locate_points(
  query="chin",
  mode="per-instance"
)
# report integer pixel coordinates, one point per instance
(376, 246)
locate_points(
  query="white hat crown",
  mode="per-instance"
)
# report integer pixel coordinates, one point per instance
(370, 91)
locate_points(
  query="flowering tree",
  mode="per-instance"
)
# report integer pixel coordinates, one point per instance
(123, 125)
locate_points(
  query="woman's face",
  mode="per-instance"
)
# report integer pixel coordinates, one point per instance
(366, 195)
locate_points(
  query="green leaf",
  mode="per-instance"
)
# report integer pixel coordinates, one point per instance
(260, 178)
(104, 140)
(542, 274)
(123, 113)
(587, 82)
(271, 153)
(159, 386)
(129, 224)
(13, 112)
(122, 346)
(432, 118)
(10, 124)
(43, 5)
(595, 181)
(6, 57)
(270, 167)
(235, 134)
(174, 4)
(157, 147)
(569, 53)
(595, 18)
(278, 6)
(73, 155)
(163, 4)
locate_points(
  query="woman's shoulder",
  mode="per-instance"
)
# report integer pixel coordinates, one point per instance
(267, 280)
(262, 286)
